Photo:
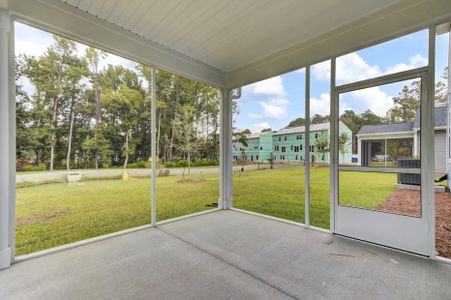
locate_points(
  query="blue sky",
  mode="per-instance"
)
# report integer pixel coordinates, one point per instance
(276, 101)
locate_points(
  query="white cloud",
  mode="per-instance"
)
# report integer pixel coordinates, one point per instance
(378, 101)
(352, 67)
(415, 61)
(254, 116)
(271, 86)
(262, 125)
(29, 47)
(270, 96)
(276, 109)
(320, 106)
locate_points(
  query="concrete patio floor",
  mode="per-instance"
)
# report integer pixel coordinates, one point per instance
(227, 255)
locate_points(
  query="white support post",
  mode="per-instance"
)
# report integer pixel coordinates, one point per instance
(222, 183)
(307, 146)
(333, 146)
(448, 133)
(428, 144)
(12, 144)
(154, 146)
(226, 166)
(5, 197)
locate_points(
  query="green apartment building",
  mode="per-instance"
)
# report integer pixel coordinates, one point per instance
(259, 148)
(288, 145)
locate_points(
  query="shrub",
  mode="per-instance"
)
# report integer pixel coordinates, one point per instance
(36, 168)
(140, 165)
(206, 162)
(169, 164)
(143, 164)
(181, 163)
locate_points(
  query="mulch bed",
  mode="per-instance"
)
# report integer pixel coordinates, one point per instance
(407, 202)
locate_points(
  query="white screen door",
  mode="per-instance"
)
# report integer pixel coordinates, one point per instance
(380, 184)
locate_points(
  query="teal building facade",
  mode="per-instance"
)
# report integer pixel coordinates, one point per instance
(258, 149)
(288, 145)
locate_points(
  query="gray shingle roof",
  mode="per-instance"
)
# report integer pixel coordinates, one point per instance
(301, 129)
(440, 117)
(385, 128)
(440, 121)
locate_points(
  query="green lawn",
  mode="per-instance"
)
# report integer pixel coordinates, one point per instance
(56, 214)
(280, 192)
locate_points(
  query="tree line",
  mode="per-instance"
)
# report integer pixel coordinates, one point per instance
(73, 113)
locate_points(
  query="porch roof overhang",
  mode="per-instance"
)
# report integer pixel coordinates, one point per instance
(388, 136)
(229, 44)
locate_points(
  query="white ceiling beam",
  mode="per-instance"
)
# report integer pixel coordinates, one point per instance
(65, 20)
(388, 23)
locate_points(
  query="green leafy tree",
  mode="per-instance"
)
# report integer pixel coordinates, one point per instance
(123, 106)
(93, 58)
(322, 144)
(318, 119)
(297, 122)
(185, 126)
(406, 104)
(343, 144)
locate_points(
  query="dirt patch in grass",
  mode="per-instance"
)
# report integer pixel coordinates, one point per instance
(191, 180)
(407, 202)
(20, 221)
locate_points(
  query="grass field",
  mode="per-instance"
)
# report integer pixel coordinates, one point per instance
(56, 214)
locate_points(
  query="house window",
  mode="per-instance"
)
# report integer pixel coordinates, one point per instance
(316, 135)
(276, 148)
(301, 158)
(284, 149)
(285, 138)
(296, 157)
(292, 147)
(256, 157)
(296, 149)
(261, 148)
(281, 157)
(280, 138)
(300, 147)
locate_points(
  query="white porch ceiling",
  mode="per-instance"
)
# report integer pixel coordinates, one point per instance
(230, 43)
(229, 34)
